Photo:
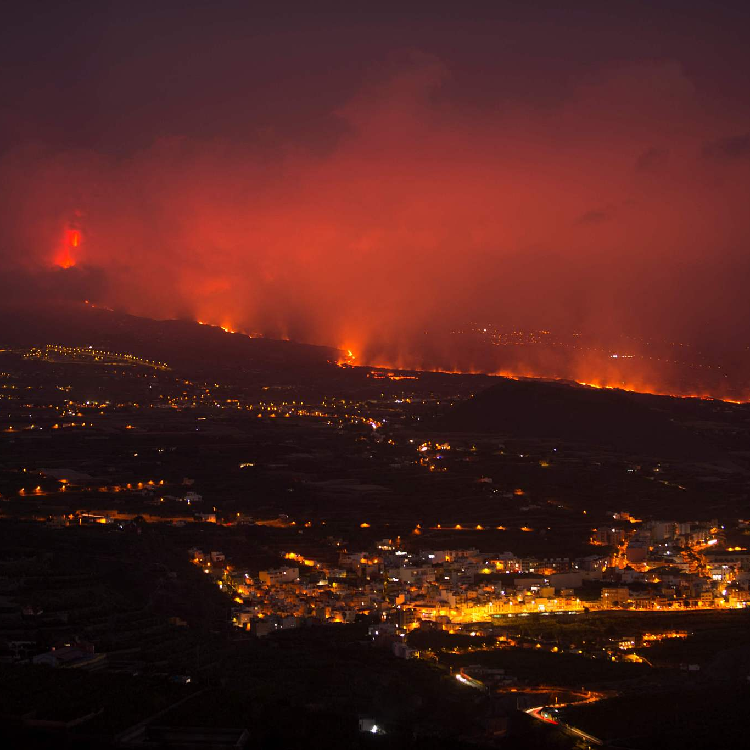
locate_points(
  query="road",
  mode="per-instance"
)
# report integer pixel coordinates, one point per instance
(537, 713)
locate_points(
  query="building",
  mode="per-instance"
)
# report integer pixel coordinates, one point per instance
(278, 576)
(615, 596)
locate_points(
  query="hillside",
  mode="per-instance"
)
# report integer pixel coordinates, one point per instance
(626, 422)
(199, 349)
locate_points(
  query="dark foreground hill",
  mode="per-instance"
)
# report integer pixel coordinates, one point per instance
(630, 423)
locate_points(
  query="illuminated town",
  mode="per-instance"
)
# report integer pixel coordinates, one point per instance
(664, 566)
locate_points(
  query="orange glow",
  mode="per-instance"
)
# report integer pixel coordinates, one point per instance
(644, 373)
(64, 256)
(66, 261)
(227, 327)
(347, 357)
(590, 381)
(403, 368)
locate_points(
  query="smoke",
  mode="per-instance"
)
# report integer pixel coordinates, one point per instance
(619, 207)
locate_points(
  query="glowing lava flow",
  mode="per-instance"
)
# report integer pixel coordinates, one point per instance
(348, 359)
(598, 384)
(228, 329)
(655, 392)
(225, 328)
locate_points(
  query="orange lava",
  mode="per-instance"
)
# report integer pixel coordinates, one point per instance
(64, 257)
(228, 328)
(349, 359)
(589, 382)
(65, 261)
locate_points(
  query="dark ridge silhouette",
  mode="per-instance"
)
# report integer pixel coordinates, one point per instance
(630, 423)
(182, 344)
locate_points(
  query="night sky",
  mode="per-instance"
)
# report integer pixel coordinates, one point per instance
(350, 175)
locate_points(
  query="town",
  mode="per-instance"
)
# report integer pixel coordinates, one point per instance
(656, 566)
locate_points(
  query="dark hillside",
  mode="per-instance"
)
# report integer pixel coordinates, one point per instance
(623, 421)
(202, 350)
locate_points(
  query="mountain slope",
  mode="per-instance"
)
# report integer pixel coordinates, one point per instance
(625, 422)
(200, 349)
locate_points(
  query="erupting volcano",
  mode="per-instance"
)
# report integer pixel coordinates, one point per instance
(403, 187)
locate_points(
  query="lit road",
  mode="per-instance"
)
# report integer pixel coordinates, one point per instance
(536, 712)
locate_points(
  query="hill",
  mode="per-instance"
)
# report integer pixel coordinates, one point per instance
(203, 351)
(630, 423)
